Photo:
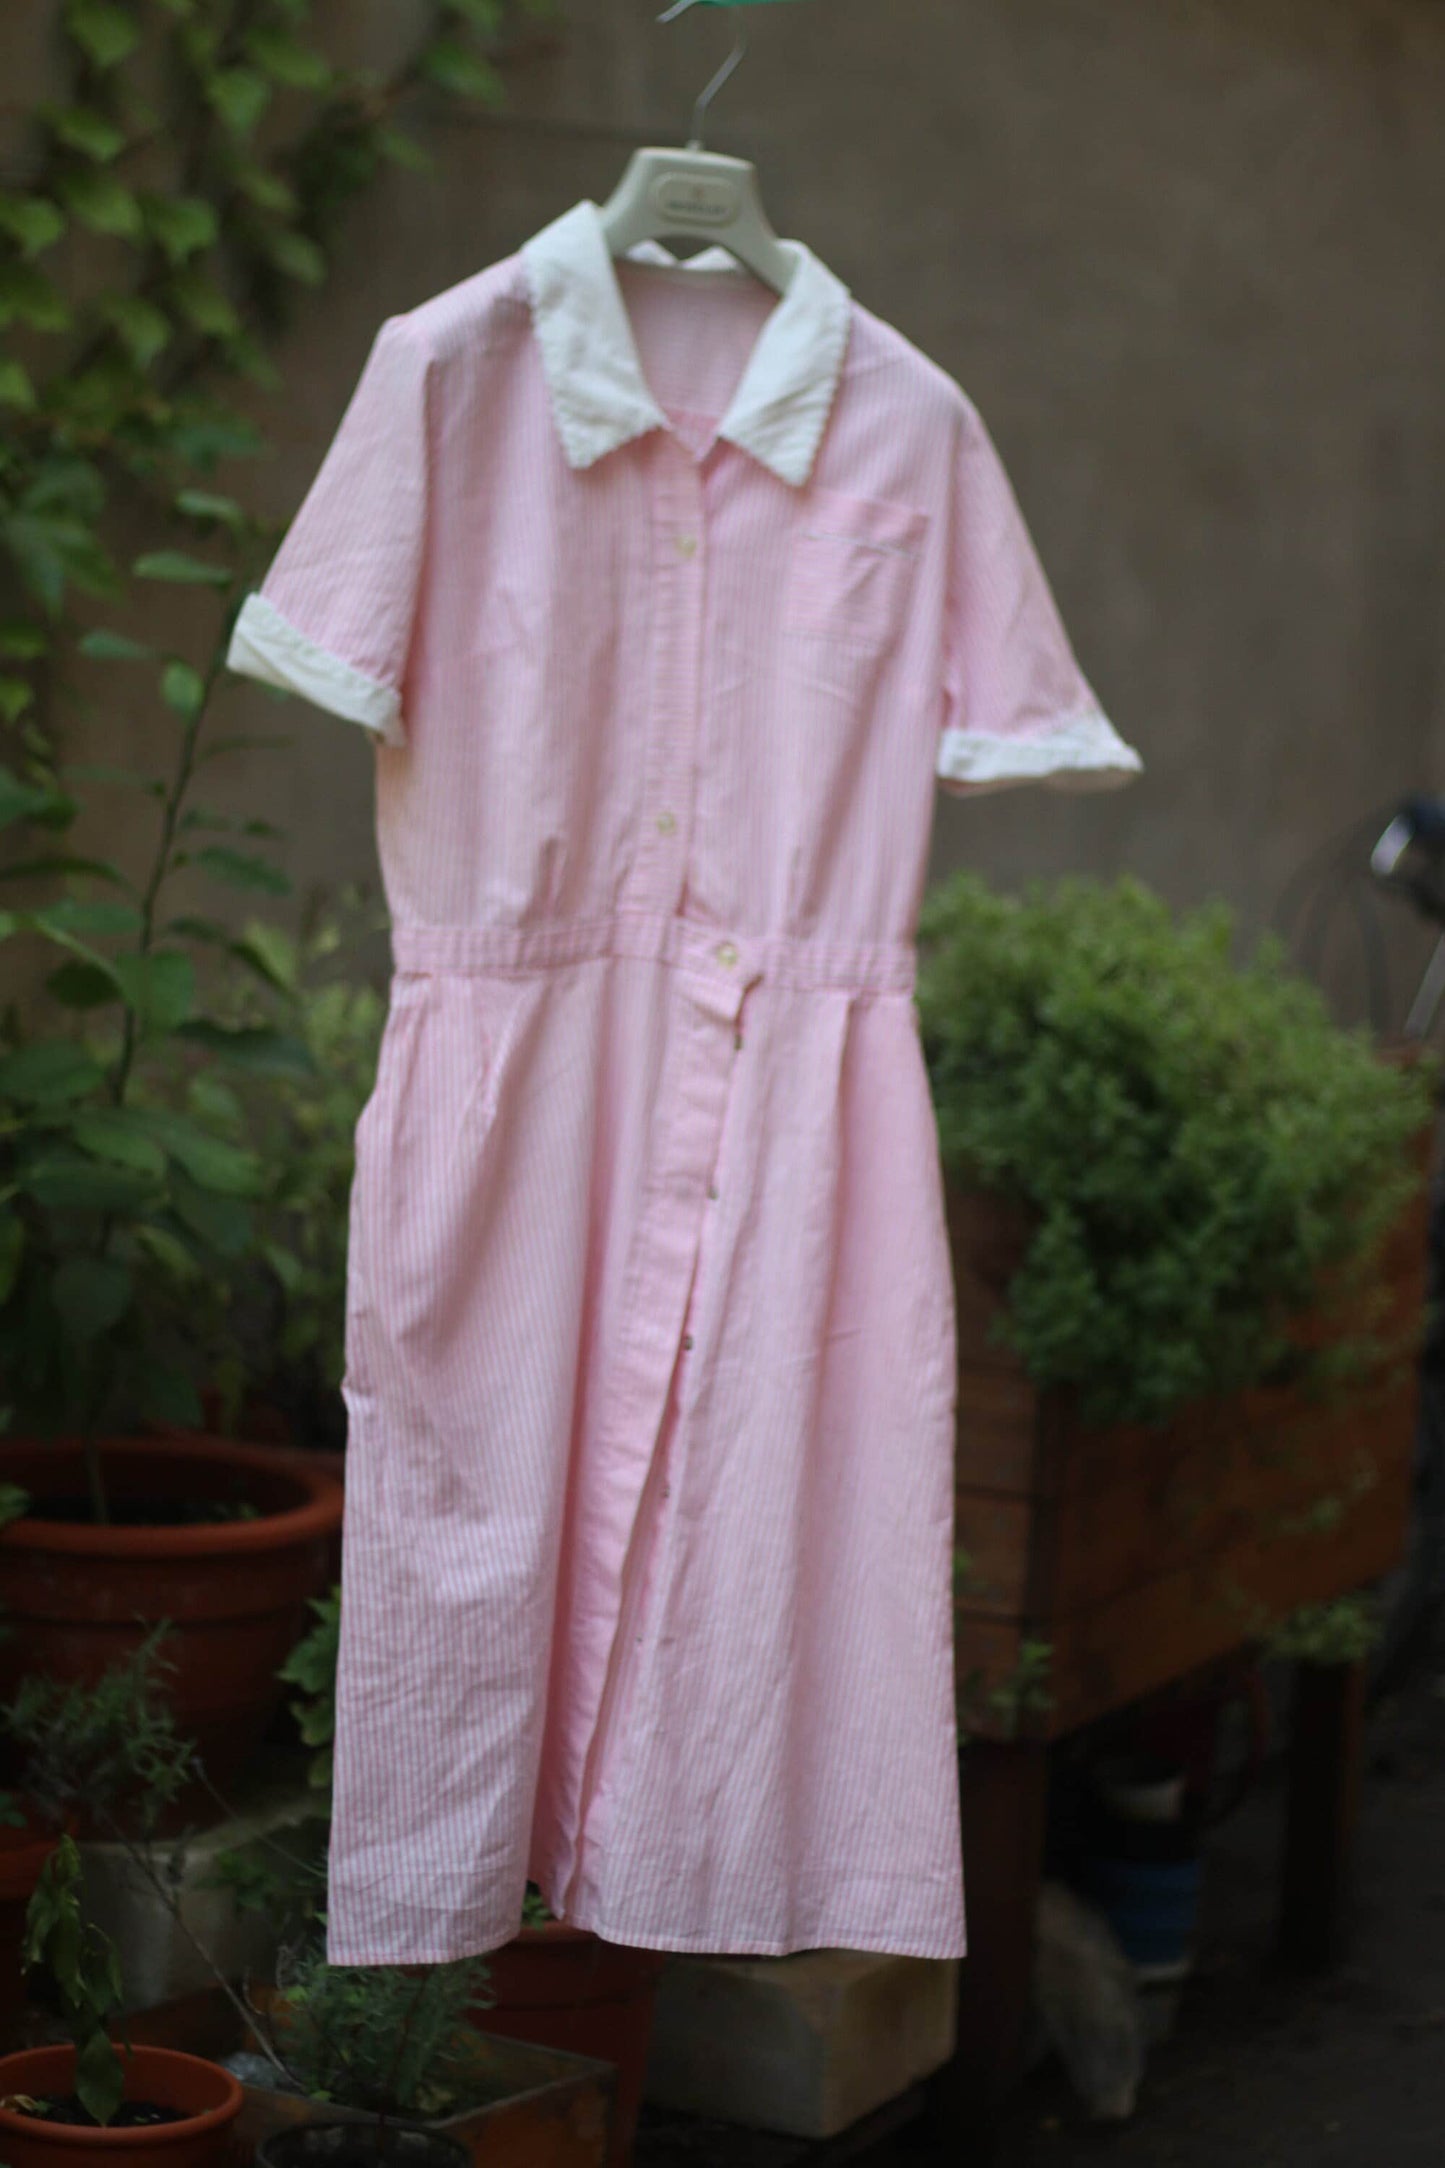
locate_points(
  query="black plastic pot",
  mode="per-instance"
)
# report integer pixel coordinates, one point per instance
(361, 2143)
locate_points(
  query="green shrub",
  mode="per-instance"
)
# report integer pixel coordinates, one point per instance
(381, 2037)
(1200, 1142)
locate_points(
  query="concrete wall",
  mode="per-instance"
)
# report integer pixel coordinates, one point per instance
(1185, 255)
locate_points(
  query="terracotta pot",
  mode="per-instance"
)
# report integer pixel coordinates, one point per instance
(569, 1989)
(79, 1595)
(23, 1853)
(209, 2095)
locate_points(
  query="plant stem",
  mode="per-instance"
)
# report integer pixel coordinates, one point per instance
(139, 1853)
(170, 815)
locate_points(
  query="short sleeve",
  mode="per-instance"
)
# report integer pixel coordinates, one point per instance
(333, 618)
(1017, 707)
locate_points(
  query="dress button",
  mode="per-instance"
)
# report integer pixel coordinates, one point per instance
(666, 823)
(712, 1191)
(727, 954)
(686, 545)
(687, 1339)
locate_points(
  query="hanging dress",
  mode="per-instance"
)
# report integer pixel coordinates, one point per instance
(669, 605)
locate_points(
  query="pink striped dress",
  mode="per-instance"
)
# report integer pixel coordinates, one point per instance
(668, 605)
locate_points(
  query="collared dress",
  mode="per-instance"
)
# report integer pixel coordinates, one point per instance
(669, 605)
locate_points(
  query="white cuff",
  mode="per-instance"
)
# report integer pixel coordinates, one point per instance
(267, 646)
(1083, 753)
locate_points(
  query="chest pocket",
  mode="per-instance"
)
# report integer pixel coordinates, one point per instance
(853, 568)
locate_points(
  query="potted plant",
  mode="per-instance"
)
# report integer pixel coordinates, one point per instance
(1186, 1212)
(60, 2103)
(381, 2051)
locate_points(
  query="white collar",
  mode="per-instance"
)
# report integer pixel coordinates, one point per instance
(600, 397)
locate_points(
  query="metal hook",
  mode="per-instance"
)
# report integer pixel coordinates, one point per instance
(725, 72)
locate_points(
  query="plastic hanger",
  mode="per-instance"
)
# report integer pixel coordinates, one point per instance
(699, 194)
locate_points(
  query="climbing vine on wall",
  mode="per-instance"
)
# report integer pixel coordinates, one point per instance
(182, 191)
(177, 197)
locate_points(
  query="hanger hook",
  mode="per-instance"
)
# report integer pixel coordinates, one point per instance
(725, 72)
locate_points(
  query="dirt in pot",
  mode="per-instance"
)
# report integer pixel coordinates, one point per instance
(392, 2144)
(68, 2108)
(135, 1512)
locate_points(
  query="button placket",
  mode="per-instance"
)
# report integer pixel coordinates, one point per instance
(675, 576)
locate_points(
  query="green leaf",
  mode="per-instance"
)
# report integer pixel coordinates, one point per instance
(297, 255)
(223, 1223)
(255, 1048)
(25, 801)
(101, 202)
(72, 1183)
(102, 645)
(16, 695)
(79, 984)
(66, 482)
(242, 869)
(16, 388)
(209, 1161)
(22, 642)
(200, 300)
(145, 329)
(205, 504)
(105, 33)
(91, 1294)
(203, 434)
(83, 129)
(48, 1070)
(270, 952)
(183, 570)
(63, 862)
(184, 689)
(99, 2076)
(266, 190)
(239, 95)
(298, 66)
(248, 357)
(168, 1250)
(114, 1134)
(34, 221)
(78, 915)
(12, 1246)
(27, 297)
(454, 67)
(53, 550)
(403, 150)
(160, 987)
(180, 224)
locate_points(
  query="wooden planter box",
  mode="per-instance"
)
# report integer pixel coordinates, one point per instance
(541, 2108)
(1139, 1553)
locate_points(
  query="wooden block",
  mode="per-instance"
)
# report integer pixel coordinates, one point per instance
(805, 2045)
